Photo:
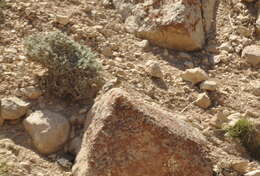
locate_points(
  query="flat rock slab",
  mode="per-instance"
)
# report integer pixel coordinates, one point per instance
(127, 137)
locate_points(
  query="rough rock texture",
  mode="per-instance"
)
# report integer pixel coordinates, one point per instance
(126, 137)
(194, 75)
(13, 108)
(177, 24)
(252, 54)
(203, 101)
(208, 85)
(49, 130)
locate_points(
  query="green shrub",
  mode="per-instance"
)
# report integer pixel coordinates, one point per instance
(73, 70)
(245, 131)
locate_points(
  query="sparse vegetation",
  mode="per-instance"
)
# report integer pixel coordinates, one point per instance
(73, 70)
(244, 130)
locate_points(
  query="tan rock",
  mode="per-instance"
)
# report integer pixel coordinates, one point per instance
(252, 54)
(178, 24)
(253, 173)
(208, 85)
(195, 75)
(126, 137)
(13, 108)
(62, 19)
(49, 130)
(203, 101)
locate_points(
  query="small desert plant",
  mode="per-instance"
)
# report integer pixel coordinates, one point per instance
(73, 70)
(245, 131)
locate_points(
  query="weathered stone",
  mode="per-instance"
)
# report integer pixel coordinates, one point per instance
(144, 44)
(195, 75)
(126, 137)
(153, 69)
(252, 54)
(62, 19)
(203, 101)
(49, 130)
(178, 24)
(13, 108)
(208, 85)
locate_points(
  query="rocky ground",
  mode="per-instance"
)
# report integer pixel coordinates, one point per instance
(232, 86)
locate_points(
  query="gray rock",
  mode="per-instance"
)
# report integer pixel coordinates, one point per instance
(49, 130)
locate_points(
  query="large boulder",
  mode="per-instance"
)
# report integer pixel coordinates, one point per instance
(175, 24)
(49, 130)
(126, 137)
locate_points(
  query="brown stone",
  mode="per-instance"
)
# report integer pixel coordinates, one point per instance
(126, 137)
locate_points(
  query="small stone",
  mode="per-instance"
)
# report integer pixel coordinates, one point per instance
(107, 51)
(153, 69)
(61, 19)
(252, 54)
(226, 47)
(31, 92)
(49, 130)
(195, 75)
(208, 85)
(13, 108)
(253, 173)
(144, 44)
(203, 101)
